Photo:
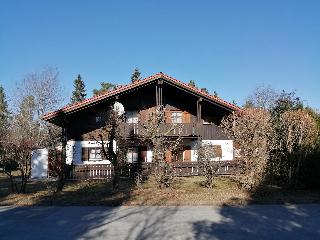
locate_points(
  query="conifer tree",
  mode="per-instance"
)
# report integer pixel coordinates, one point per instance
(79, 92)
(105, 87)
(136, 75)
(192, 83)
(3, 108)
(204, 90)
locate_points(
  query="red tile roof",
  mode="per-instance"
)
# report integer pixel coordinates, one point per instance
(123, 88)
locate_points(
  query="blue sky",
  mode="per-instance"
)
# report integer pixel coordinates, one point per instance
(227, 46)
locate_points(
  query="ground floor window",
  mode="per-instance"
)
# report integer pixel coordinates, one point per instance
(95, 154)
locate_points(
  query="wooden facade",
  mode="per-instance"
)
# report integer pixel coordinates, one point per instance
(194, 115)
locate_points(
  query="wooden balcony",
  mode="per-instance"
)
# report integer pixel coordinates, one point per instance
(206, 131)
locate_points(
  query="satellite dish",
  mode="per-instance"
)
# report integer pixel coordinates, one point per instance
(118, 108)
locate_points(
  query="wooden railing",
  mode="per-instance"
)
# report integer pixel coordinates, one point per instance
(92, 171)
(130, 170)
(206, 131)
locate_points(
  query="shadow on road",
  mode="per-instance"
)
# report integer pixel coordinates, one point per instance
(261, 222)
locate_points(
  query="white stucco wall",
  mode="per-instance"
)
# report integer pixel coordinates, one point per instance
(74, 152)
(226, 147)
(194, 154)
(149, 154)
(39, 163)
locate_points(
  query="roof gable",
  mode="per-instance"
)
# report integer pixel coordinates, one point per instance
(120, 90)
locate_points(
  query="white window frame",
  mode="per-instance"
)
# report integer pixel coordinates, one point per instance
(132, 117)
(176, 117)
(132, 155)
(95, 152)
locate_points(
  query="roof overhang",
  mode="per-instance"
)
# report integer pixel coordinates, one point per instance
(53, 116)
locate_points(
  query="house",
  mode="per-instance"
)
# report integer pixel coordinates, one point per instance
(198, 113)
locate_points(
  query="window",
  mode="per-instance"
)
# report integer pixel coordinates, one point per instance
(132, 155)
(98, 119)
(176, 117)
(95, 154)
(132, 116)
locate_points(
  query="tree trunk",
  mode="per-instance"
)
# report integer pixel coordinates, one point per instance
(62, 173)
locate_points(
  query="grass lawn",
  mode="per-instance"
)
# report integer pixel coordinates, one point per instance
(185, 191)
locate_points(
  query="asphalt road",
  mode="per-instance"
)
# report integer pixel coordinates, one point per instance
(205, 222)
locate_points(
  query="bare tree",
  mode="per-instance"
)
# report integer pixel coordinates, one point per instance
(296, 138)
(263, 97)
(206, 159)
(251, 130)
(113, 143)
(153, 131)
(20, 140)
(36, 94)
(47, 93)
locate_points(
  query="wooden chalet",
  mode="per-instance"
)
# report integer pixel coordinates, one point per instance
(198, 114)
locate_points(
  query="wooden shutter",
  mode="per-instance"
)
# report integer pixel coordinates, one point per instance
(85, 154)
(168, 156)
(217, 150)
(168, 116)
(144, 114)
(187, 154)
(186, 117)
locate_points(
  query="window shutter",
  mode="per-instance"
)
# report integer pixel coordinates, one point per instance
(187, 154)
(168, 116)
(168, 156)
(217, 150)
(143, 115)
(186, 117)
(85, 154)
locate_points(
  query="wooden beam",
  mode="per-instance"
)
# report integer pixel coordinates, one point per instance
(157, 99)
(159, 87)
(199, 109)
(161, 98)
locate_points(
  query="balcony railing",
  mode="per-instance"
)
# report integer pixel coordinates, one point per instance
(181, 169)
(207, 131)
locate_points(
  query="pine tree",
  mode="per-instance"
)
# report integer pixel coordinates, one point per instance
(105, 87)
(204, 90)
(79, 92)
(4, 113)
(192, 83)
(215, 93)
(135, 75)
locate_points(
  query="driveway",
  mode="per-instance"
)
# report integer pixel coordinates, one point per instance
(205, 222)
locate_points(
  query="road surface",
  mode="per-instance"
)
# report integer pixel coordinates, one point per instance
(194, 222)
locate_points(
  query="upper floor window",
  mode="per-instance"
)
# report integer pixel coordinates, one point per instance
(132, 116)
(176, 117)
(98, 119)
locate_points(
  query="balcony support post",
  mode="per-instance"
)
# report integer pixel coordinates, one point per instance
(199, 110)
(159, 93)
